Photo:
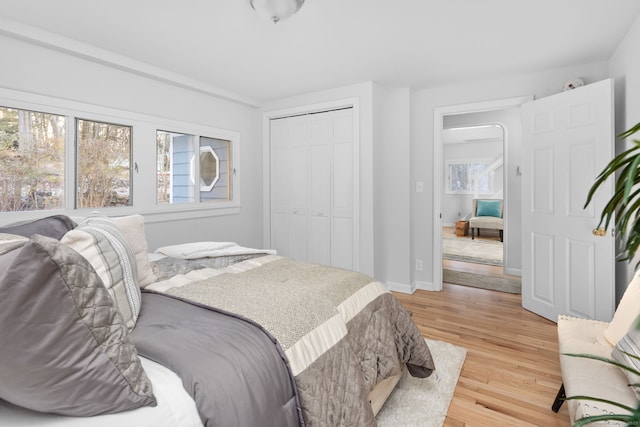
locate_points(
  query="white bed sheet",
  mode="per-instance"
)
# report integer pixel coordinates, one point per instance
(175, 408)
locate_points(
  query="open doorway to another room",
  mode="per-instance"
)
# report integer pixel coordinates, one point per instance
(473, 201)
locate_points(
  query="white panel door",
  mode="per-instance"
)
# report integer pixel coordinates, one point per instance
(568, 139)
(290, 186)
(320, 142)
(280, 188)
(312, 187)
(342, 219)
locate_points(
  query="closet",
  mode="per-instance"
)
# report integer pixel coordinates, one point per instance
(312, 187)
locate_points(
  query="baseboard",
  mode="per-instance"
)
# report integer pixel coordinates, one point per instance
(401, 287)
(425, 286)
(513, 271)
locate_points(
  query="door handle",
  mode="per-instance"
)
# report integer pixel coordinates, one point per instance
(599, 232)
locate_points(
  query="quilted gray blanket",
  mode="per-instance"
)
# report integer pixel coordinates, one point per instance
(342, 332)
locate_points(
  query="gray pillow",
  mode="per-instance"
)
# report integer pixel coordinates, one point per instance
(64, 347)
(54, 226)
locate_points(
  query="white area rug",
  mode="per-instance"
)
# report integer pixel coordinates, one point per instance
(423, 402)
(467, 250)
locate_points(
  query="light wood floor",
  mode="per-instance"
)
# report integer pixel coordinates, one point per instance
(511, 373)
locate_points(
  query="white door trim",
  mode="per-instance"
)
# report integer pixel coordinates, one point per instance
(438, 122)
(267, 116)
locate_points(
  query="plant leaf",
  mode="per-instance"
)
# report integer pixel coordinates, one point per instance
(631, 179)
(603, 359)
(626, 134)
(596, 399)
(610, 417)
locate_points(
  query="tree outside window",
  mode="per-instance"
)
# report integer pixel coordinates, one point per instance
(31, 160)
(104, 164)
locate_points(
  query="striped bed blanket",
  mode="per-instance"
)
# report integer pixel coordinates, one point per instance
(341, 331)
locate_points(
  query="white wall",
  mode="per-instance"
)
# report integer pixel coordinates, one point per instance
(392, 187)
(364, 93)
(624, 67)
(48, 72)
(540, 84)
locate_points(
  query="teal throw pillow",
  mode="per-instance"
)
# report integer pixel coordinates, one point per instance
(489, 208)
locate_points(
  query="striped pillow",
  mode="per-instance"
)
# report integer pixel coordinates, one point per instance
(630, 344)
(100, 241)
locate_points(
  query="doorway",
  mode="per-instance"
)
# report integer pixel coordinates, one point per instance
(473, 155)
(506, 114)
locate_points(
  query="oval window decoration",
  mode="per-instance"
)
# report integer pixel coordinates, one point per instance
(209, 168)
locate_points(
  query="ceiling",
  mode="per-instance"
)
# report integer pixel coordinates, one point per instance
(330, 43)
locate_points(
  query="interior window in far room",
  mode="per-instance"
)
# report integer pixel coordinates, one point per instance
(32, 159)
(104, 164)
(465, 175)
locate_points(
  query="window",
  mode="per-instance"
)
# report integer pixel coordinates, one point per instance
(462, 174)
(73, 157)
(177, 168)
(32, 158)
(215, 154)
(103, 152)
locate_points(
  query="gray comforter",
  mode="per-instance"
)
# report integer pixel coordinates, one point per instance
(341, 332)
(234, 371)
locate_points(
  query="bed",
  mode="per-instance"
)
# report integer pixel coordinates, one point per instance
(221, 334)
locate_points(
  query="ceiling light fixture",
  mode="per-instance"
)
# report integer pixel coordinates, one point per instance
(276, 10)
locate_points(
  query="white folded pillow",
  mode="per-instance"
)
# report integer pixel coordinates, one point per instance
(194, 250)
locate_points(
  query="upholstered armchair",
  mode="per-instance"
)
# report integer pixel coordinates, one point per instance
(487, 213)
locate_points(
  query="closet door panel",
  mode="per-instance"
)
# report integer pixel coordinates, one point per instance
(342, 126)
(280, 233)
(342, 243)
(280, 180)
(320, 128)
(280, 186)
(320, 240)
(342, 179)
(299, 237)
(312, 190)
(299, 180)
(320, 180)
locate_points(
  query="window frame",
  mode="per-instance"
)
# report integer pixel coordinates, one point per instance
(143, 159)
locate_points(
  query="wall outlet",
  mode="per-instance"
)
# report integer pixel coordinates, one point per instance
(419, 265)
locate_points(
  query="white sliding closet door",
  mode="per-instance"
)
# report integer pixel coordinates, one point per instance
(312, 187)
(342, 196)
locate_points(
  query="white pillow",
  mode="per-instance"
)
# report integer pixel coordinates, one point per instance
(132, 227)
(627, 312)
(626, 346)
(194, 250)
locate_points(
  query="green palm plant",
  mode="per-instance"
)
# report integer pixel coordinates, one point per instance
(624, 206)
(631, 418)
(624, 210)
